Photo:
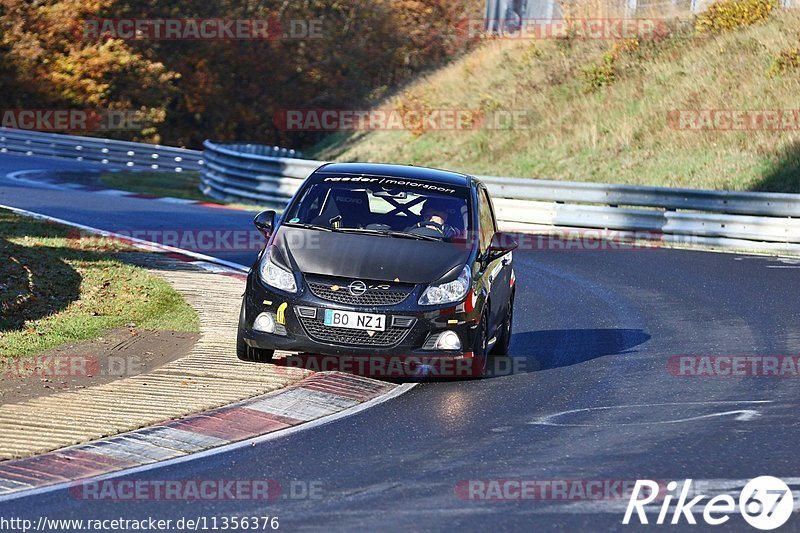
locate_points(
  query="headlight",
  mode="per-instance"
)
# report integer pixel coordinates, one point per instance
(448, 292)
(275, 276)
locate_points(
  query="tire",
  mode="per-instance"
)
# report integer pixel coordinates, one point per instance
(248, 353)
(480, 358)
(504, 339)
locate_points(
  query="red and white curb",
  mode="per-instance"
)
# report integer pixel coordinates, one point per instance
(323, 397)
(318, 399)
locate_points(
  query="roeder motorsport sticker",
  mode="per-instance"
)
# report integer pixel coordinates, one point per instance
(766, 503)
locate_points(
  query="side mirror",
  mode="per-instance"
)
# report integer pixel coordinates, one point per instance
(265, 222)
(501, 244)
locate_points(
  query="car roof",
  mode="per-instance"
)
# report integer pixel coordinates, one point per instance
(444, 177)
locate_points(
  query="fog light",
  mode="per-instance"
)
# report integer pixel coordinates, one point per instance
(448, 340)
(265, 322)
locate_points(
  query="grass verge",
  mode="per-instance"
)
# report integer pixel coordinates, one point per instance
(56, 288)
(184, 185)
(600, 111)
(173, 184)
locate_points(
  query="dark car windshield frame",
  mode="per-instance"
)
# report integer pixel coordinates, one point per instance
(378, 205)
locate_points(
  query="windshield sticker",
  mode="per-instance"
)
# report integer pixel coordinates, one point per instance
(393, 182)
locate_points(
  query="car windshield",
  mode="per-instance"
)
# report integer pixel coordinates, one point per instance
(382, 206)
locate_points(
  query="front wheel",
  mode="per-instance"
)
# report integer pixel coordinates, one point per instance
(248, 353)
(504, 338)
(252, 355)
(480, 356)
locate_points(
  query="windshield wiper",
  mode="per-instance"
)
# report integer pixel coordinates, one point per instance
(414, 236)
(389, 233)
(306, 225)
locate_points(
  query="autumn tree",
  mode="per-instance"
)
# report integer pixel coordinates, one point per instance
(46, 63)
(223, 89)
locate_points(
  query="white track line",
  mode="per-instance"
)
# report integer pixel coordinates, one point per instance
(17, 176)
(141, 242)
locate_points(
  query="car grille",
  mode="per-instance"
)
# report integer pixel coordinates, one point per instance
(318, 331)
(322, 288)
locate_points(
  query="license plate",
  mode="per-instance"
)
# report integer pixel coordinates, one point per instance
(351, 320)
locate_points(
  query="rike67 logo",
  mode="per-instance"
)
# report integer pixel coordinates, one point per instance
(766, 503)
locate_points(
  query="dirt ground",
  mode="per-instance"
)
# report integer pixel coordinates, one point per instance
(118, 354)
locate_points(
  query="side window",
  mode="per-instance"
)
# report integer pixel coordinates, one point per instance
(487, 229)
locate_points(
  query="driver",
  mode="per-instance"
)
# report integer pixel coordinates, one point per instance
(434, 220)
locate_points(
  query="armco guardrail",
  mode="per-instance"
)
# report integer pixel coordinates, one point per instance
(139, 156)
(746, 220)
(764, 217)
(271, 175)
(256, 173)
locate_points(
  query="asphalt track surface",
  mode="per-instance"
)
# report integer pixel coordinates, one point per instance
(593, 334)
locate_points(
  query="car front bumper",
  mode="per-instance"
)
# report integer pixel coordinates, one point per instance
(409, 327)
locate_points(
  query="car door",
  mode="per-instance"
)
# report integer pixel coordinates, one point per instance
(502, 281)
(496, 273)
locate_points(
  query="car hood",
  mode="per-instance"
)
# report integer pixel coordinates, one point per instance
(369, 257)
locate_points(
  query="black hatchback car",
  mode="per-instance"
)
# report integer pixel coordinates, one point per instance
(382, 261)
